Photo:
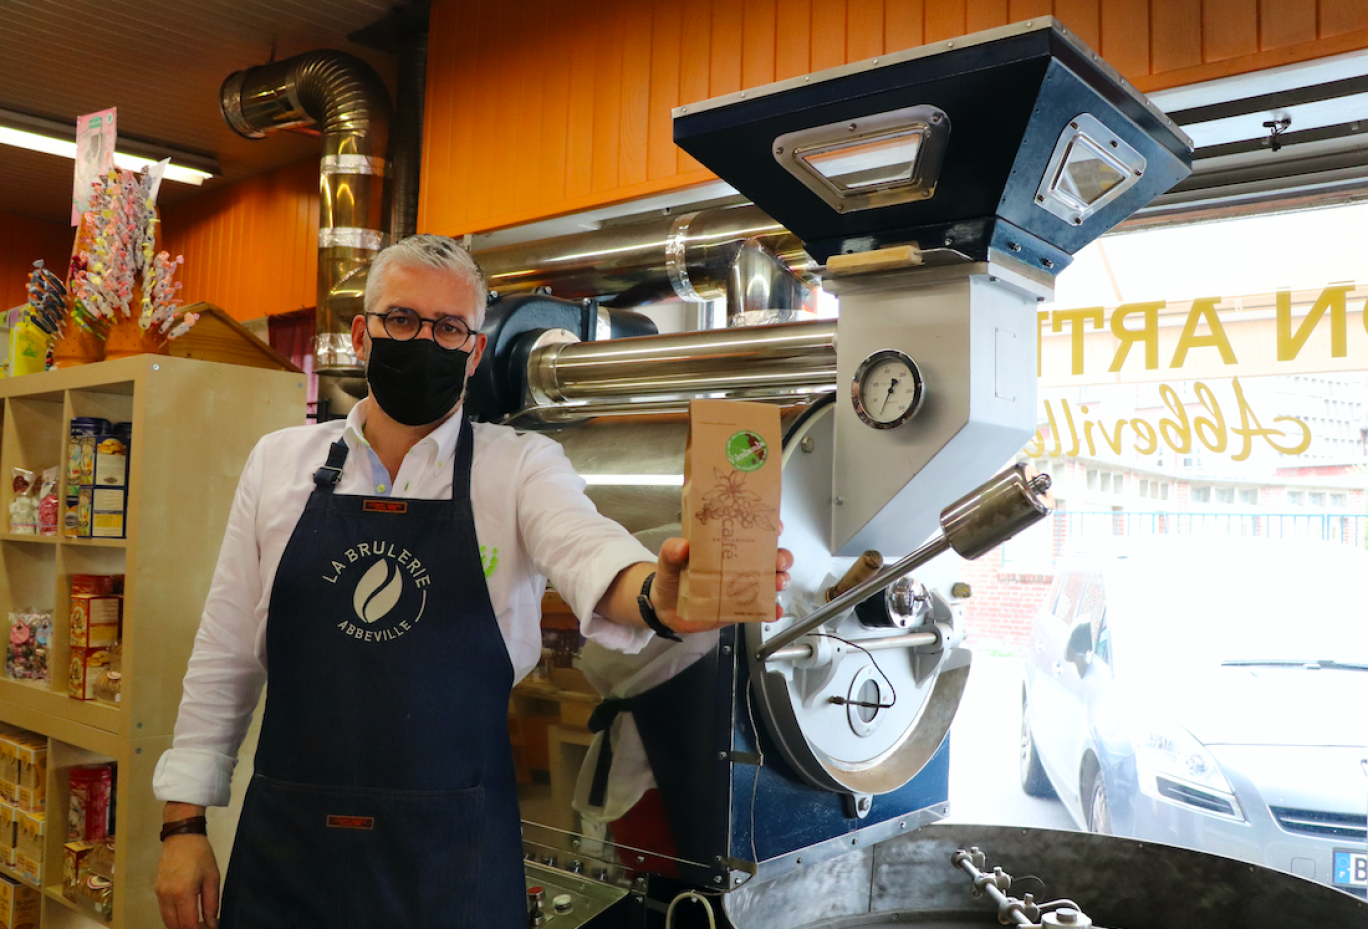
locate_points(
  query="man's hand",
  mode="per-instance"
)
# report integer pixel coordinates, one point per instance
(673, 559)
(188, 880)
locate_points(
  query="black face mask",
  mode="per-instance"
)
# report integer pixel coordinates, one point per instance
(415, 382)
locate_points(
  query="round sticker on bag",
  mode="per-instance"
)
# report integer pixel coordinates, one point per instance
(747, 451)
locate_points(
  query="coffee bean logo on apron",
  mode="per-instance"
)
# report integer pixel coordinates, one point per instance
(390, 591)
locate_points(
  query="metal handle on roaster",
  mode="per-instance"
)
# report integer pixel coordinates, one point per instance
(974, 524)
(1024, 913)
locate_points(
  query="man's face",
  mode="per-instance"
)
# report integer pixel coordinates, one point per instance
(430, 292)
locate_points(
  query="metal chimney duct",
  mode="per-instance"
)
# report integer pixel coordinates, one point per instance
(737, 253)
(345, 99)
(406, 141)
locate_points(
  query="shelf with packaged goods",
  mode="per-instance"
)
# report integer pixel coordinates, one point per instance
(35, 707)
(193, 425)
(62, 758)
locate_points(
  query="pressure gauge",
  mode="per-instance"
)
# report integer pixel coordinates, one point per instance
(887, 389)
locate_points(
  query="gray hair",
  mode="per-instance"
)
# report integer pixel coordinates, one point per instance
(433, 251)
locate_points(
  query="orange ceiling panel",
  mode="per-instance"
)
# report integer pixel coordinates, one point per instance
(536, 109)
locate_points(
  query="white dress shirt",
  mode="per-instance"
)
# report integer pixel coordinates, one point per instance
(532, 521)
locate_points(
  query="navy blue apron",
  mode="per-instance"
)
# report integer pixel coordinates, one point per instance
(384, 795)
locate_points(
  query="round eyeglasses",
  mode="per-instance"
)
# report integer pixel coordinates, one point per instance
(403, 325)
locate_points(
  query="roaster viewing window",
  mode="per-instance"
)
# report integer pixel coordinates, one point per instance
(870, 162)
(880, 162)
(1090, 167)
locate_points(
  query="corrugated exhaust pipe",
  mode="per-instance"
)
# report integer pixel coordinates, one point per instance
(346, 100)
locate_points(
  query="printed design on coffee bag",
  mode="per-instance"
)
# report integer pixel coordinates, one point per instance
(729, 499)
(747, 451)
(741, 589)
(735, 506)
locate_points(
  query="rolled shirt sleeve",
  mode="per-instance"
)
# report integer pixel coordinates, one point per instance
(573, 545)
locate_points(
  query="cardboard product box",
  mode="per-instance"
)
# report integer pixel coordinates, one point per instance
(81, 461)
(18, 904)
(73, 867)
(9, 832)
(101, 585)
(109, 501)
(111, 461)
(95, 620)
(109, 509)
(87, 664)
(78, 512)
(28, 859)
(73, 461)
(732, 481)
(31, 751)
(16, 744)
(9, 768)
(32, 799)
(25, 770)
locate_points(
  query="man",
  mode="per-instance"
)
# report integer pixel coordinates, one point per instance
(391, 567)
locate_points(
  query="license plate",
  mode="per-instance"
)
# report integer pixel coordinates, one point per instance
(1351, 869)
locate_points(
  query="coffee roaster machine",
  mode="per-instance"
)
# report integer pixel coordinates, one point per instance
(800, 765)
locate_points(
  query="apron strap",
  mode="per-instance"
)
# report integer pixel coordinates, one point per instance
(326, 477)
(601, 720)
(465, 456)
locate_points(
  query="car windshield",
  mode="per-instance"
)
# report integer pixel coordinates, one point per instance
(1190, 607)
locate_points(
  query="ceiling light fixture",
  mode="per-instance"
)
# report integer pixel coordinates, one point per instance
(52, 137)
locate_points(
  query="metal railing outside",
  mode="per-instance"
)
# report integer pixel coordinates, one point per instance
(1070, 529)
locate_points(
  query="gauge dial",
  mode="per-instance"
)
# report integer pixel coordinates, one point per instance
(887, 389)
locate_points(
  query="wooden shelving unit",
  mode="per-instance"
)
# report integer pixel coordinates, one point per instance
(194, 423)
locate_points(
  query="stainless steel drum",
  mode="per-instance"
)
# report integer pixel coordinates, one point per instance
(1108, 882)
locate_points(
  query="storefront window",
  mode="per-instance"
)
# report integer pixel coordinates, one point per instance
(1186, 635)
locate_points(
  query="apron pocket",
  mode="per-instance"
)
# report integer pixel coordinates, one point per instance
(357, 858)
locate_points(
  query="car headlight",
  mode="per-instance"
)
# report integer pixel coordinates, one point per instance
(1173, 766)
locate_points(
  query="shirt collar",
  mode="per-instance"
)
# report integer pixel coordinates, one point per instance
(442, 440)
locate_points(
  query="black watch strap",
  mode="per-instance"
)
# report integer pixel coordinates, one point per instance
(195, 825)
(648, 613)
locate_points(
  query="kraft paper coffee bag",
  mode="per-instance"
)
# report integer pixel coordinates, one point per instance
(732, 477)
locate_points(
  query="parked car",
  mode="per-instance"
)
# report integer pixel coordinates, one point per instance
(1210, 693)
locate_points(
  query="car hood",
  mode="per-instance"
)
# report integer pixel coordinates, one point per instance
(1263, 705)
